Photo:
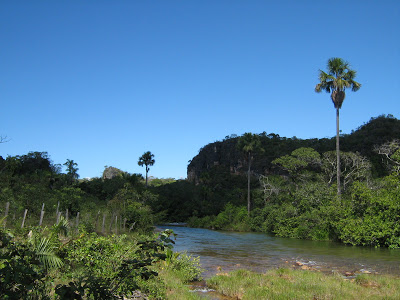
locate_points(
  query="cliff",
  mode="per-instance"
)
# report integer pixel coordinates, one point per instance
(226, 155)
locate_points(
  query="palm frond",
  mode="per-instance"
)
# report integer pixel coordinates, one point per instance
(326, 82)
(350, 74)
(62, 227)
(45, 253)
(44, 250)
(336, 66)
(323, 86)
(322, 76)
(355, 86)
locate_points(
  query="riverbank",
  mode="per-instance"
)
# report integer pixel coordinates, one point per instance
(311, 268)
(285, 283)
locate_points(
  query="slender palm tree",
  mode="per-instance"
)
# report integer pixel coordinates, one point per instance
(249, 144)
(146, 159)
(72, 170)
(335, 82)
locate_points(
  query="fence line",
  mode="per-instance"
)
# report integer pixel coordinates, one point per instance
(117, 224)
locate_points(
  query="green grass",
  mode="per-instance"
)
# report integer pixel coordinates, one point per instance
(300, 284)
(176, 288)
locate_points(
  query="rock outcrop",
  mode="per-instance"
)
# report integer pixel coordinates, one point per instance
(225, 154)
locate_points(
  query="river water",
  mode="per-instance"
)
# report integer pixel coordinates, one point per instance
(222, 251)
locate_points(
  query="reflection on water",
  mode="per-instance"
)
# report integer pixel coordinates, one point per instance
(221, 250)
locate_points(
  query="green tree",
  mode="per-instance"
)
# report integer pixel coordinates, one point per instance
(72, 170)
(299, 163)
(338, 78)
(249, 144)
(146, 159)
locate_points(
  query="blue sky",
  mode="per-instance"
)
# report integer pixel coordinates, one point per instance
(101, 82)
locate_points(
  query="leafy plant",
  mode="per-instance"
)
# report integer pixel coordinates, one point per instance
(21, 273)
(44, 251)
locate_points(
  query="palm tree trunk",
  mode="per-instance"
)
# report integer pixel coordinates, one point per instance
(337, 153)
(147, 170)
(248, 185)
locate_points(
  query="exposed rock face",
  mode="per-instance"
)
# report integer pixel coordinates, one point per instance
(225, 154)
(111, 172)
(219, 153)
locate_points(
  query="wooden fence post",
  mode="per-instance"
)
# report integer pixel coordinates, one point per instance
(41, 215)
(6, 213)
(58, 207)
(104, 223)
(116, 224)
(58, 217)
(77, 221)
(97, 220)
(125, 222)
(23, 219)
(111, 222)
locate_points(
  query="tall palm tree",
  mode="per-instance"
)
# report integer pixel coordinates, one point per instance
(146, 159)
(338, 78)
(249, 144)
(72, 170)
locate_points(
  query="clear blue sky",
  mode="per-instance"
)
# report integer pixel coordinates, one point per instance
(101, 82)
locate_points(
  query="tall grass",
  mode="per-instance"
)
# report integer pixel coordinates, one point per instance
(299, 284)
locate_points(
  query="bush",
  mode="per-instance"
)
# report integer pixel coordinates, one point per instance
(22, 276)
(187, 267)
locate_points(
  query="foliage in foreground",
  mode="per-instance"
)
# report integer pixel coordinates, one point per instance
(89, 266)
(299, 284)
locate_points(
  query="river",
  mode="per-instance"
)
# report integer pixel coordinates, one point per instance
(222, 251)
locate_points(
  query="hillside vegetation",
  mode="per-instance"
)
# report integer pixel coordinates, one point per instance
(292, 190)
(66, 238)
(293, 187)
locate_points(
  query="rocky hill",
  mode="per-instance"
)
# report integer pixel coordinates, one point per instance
(226, 155)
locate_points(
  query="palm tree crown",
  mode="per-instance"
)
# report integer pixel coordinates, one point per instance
(72, 169)
(338, 78)
(249, 143)
(146, 159)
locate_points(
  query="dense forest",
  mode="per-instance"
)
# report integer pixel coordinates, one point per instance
(98, 233)
(292, 189)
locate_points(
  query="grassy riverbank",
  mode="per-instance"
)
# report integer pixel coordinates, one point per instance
(57, 264)
(300, 284)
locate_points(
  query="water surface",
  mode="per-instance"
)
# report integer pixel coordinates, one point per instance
(222, 251)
